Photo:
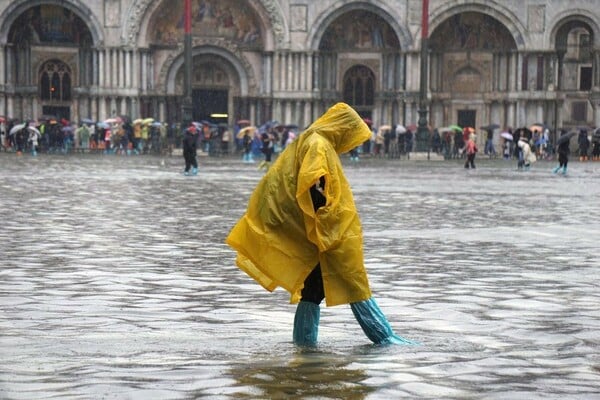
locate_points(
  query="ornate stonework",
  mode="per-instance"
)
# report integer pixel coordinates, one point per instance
(213, 43)
(138, 10)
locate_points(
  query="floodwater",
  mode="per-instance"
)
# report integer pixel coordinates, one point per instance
(115, 283)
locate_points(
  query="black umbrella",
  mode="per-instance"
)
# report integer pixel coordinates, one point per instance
(490, 127)
(564, 138)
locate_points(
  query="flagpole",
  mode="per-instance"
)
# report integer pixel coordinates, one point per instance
(187, 62)
(422, 129)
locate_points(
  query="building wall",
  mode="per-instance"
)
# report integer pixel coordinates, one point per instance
(291, 77)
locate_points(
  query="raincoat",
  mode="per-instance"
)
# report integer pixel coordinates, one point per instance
(281, 238)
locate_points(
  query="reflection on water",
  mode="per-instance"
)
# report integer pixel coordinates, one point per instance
(307, 374)
(115, 282)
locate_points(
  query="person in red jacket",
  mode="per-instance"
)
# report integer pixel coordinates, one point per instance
(471, 150)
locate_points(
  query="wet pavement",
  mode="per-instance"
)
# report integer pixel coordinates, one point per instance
(115, 283)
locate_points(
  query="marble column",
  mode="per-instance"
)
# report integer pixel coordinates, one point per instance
(144, 62)
(115, 68)
(2, 61)
(9, 65)
(101, 109)
(10, 106)
(100, 68)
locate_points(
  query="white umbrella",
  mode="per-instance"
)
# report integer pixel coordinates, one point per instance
(16, 129)
(507, 136)
(34, 130)
(400, 129)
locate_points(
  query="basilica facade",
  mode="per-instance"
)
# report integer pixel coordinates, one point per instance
(508, 62)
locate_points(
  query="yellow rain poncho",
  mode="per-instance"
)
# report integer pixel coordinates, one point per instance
(280, 239)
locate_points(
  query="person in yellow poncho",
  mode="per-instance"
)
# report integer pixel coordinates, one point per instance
(302, 231)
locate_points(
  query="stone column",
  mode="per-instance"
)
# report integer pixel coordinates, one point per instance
(10, 106)
(162, 111)
(135, 112)
(2, 61)
(519, 74)
(128, 69)
(315, 72)
(123, 68)
(101, 68)
(9, 65)
(287, 117)
(282, 70)
(35, 110)
(101, 109)
(115, 68)
(144, 62)
(267, 73)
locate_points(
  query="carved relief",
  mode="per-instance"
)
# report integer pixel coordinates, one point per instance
(138, 10)
(209, 19)
(471, 31)
(359, 30)
(112, 13)
(298, 18)
(536, 18)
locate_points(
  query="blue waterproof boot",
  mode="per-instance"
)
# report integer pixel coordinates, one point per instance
(374, 324)
(555, 170)
(306, 323)
(564, 170)
(194, 171)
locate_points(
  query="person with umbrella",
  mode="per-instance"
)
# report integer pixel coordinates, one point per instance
(190, 143)
(301, 230)
(471, 151)
(33, 139)
(584, 145)
(19, 137)
(563, 151)
(247, 135)
(526, 156)
(596, 145)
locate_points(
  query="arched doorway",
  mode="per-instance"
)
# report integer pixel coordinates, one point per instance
(55, 88)
(574, 50)
(50, 48)
(360, 60)
(216, 85)
(222, 35)
(473, 67)
(359, 90)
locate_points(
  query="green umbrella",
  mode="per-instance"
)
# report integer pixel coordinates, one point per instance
(455, 128)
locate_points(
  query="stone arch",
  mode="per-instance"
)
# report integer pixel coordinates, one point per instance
(577, 16)
(15, 9)
(135, 26)
(491, 8)
(319, 27)
(234, 62)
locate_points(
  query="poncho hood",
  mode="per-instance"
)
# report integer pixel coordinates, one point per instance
(342, 126)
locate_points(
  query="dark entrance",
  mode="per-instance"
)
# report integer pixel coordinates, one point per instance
(209, 102)
(57, 111)
(466, 118)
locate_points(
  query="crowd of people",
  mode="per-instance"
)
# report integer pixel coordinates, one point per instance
(121, 135)
(118, 135)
